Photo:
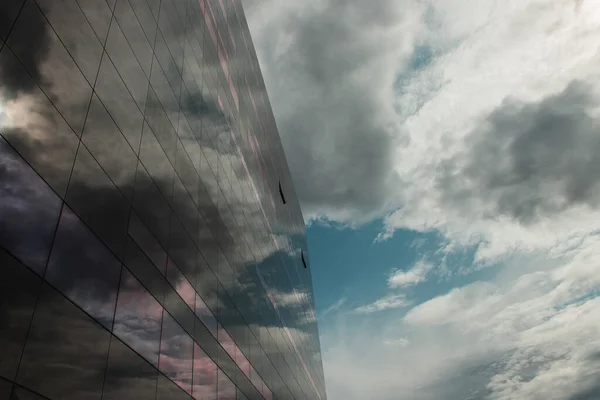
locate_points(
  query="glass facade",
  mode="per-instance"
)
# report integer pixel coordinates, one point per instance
(151, 243)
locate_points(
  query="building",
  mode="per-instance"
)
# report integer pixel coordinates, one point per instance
(151, 243)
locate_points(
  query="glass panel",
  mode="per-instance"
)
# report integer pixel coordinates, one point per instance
(153, 210)
(226, 387)
(226, 341)
(50, 65)
(20, 393)
(182, 249)
(18, 293)
(134, 33)
(167, 390)
(5, 388)
(83, 269)
(145, 18)
(9, 10)
(138, 318)
(66, 351)
(32, 125)
(29, 210)
(206, 316)
(205, 376)
(127, 65)
(71, 25)
(109, 147)
(97, 201)
(179, 310)
(167, 95)
(147, 242)
(128, 376)
(180, 283)
(176, 354)
(156, 162)
(186, 210)
(141, 267)
(98, 14)
(160, 124)
(119, 103)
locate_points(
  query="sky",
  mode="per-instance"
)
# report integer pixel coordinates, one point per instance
(446, 155)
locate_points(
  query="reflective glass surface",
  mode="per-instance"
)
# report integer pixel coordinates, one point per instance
(151, 243)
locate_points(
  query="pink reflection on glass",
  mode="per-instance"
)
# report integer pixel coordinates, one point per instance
(138, 318)
(204, 384)
(182, 286)
(206, 316)
(226, 387)
(176, 354)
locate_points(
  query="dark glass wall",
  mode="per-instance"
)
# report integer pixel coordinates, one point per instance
(151, 243)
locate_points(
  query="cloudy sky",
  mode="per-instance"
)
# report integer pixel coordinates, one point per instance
(447, 158)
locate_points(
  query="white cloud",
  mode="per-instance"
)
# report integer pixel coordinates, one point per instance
(415, 275)
(511, 62)
(530, 333)
(385, 303)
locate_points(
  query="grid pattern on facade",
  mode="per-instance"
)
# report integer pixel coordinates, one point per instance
(146, 246)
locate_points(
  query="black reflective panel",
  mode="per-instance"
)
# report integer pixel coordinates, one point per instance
(176, 354)
(119, 103)
(9, 10)
(83, 269)
(109, 147)
(133, 31)
(226, 387)
(19, 289)
(43, 138)
(153, 209)
(147, 242)
(93, 196)
(204, 384)
(138, 318)
(49, 63)
(143, 269)
(167, 390)
(5, 388)
(128, 67)
(66, 351)
(128, 376)
(20, 393)
(29, 210)
(75, 32)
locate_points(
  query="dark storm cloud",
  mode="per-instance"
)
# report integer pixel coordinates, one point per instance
(531, 160)
(337, 135)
